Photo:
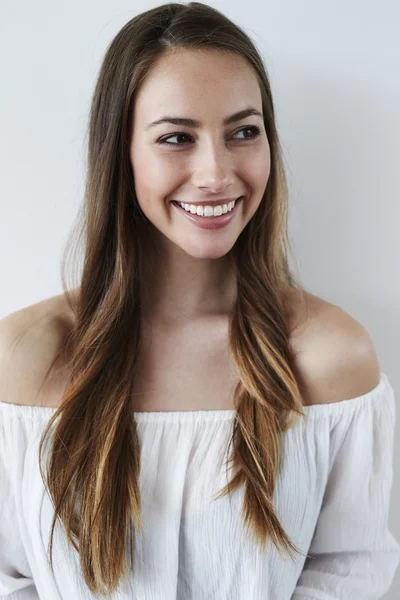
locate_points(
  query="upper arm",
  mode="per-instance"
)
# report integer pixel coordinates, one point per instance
(339, 360)
(30, 339)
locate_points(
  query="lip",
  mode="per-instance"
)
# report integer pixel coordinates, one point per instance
(210, 222)
(210, 202)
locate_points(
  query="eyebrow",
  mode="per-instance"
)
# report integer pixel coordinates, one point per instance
(238, 116)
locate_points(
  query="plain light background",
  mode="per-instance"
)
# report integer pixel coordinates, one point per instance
(335, 75)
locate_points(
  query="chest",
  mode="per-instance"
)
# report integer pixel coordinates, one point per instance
(183, 469)
(186, 368)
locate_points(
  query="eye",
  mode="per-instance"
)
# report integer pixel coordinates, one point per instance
(253, 128)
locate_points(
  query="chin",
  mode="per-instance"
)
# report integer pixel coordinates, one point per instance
(213, 251)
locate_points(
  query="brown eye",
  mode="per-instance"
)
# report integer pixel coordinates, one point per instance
(177, 135)
(254, 129)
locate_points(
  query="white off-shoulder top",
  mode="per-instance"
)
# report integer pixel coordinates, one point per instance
(332, 497)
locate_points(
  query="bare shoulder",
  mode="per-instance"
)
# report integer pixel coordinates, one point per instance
(335, 357)
(30, 339)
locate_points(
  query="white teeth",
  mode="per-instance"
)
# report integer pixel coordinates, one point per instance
(208, 211)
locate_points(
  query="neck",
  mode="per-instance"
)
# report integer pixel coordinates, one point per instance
(176, 287)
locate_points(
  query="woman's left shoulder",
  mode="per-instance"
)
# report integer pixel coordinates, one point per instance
(335, 356)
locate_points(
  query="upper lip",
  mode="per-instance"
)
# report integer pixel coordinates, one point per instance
(211, 202)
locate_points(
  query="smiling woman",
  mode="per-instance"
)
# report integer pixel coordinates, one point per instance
(190, 346)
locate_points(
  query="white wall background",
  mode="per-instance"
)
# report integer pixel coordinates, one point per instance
(335, 74)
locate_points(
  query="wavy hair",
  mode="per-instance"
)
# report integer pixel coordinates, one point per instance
(93, 466)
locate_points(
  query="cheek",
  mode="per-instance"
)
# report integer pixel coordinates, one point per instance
(255, 171)
(153, 175)
(259, 166)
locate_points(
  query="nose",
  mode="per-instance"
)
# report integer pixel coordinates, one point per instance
(213, 168)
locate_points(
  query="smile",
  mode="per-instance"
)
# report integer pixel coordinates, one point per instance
(220, 217)
(208, 211)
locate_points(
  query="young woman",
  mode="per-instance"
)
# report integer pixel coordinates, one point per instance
(189, 346)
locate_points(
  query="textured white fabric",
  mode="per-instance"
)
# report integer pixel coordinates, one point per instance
(332, 496)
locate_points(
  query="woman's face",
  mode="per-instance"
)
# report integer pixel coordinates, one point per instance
(203, 163)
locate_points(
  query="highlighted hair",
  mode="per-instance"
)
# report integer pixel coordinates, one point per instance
(93, 466)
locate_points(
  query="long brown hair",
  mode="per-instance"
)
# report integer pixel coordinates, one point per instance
(95, 455)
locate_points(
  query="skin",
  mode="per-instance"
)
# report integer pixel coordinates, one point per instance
(191, 277)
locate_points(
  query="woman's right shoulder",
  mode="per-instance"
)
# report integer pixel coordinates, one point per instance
(30, 339)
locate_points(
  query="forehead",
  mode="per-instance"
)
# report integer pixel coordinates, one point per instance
(195, 82)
